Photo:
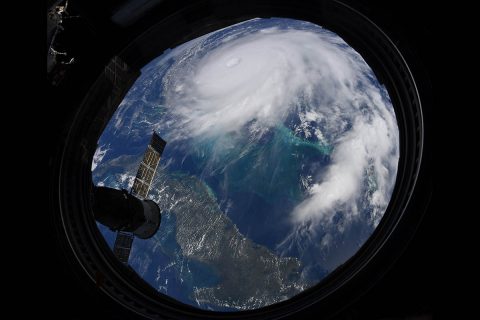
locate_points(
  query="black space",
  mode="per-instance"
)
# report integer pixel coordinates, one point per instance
(415, 287)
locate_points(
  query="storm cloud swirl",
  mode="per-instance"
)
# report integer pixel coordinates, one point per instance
(249, 78)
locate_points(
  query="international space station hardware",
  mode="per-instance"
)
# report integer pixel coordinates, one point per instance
(131, 214)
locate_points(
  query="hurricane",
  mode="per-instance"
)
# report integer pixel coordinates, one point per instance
(281, 159)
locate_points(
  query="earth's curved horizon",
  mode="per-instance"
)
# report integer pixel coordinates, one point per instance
(281, 158)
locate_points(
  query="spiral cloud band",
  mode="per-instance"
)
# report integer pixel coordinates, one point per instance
(256, 79)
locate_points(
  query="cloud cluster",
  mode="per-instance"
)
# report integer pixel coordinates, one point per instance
(365, 145)
(100, 152)
(258, 78)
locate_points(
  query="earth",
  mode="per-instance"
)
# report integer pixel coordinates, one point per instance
(281, 158)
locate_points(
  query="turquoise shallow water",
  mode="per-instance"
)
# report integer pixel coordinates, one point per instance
(256, 182)
(290, 138)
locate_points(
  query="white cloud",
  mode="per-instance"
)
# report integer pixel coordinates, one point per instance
(257, 79)
(98, 156)
(342, 183)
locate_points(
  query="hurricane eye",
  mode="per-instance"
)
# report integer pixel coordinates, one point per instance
(269, 148)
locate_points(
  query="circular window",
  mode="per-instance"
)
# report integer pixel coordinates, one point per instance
(290, 152)
(280, 160)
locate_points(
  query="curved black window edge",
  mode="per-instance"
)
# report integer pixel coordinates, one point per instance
(73, 176)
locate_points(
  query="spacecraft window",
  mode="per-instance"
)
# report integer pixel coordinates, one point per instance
(281, 157)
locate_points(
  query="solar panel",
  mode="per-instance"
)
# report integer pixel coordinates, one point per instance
(141, 186)
(123, 246)
(148, 166)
